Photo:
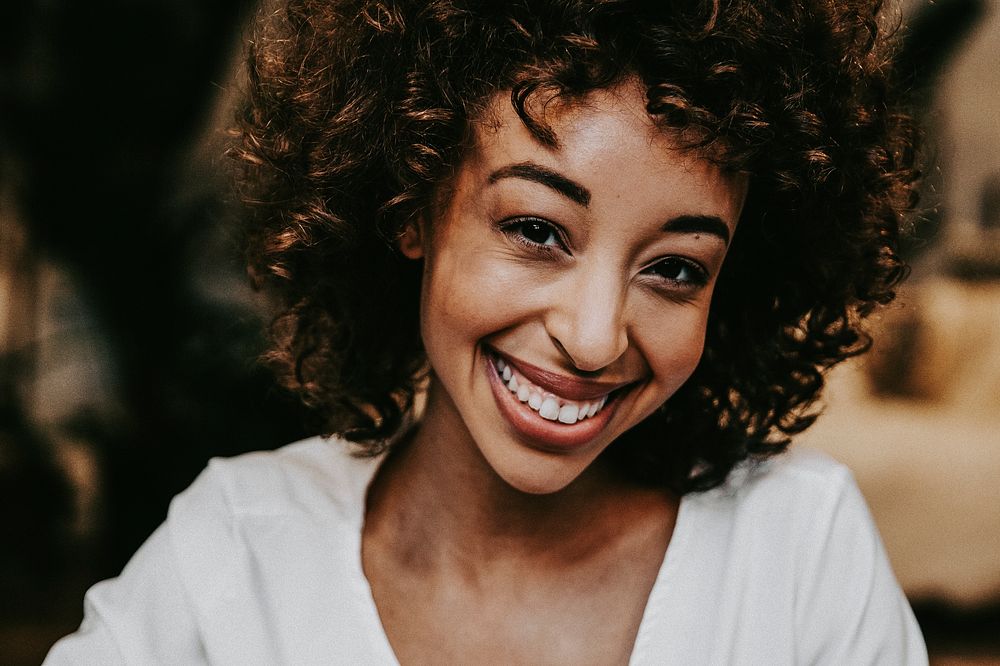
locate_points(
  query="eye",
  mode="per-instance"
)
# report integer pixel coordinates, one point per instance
(534, 233)
(679, 271)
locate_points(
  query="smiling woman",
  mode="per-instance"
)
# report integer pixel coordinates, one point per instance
(593, 262)
(614, 245)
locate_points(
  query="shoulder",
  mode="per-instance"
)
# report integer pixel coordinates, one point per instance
(255, 537)
(313, 475)
(795, 554)
(801, 509)
(806, 512)
(805, 471)
(275, 506)
(789, 492)
(776, 518)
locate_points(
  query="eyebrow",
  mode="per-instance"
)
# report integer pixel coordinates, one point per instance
(682, 224)
(540, 174)
(694, 224)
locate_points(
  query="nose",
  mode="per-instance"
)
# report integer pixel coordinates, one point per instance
(586, 320)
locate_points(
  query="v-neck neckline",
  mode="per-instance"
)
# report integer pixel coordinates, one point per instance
(655, 602)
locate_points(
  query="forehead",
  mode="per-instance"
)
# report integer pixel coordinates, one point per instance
(608, 143)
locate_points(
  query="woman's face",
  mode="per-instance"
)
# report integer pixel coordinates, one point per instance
(566, 290)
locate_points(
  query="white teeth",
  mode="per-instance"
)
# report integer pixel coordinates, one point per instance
(568, 414)
(548, 406)
(549, 409)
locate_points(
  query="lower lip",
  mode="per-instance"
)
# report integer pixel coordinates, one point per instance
(542, 433)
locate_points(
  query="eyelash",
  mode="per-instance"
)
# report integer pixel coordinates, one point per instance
(698, 279)
(514, 228)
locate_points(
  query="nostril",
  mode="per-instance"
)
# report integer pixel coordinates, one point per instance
(573, 364)
(587, 374)
(562, 349)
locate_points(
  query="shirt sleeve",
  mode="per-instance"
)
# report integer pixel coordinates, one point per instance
(150, 613)
(850, 608)
(140, 617)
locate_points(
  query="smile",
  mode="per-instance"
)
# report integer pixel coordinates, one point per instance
(549, 406)
(551, 411)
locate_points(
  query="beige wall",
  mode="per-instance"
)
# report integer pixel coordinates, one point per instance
(928, 456)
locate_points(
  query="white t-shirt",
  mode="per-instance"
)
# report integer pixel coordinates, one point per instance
(259, 562)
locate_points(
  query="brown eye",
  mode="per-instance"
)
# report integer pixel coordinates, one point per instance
(679, 271)
(537, 232)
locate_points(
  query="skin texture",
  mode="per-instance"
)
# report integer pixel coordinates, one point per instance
(531, 547)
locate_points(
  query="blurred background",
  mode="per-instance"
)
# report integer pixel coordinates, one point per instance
(128, 331)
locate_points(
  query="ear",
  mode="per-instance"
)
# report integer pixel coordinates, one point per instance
(411, 242)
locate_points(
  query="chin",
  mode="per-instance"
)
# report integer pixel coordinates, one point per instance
(536, 484)
(535, 472)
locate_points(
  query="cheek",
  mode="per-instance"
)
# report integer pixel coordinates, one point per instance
(672, 345)
(466, 296)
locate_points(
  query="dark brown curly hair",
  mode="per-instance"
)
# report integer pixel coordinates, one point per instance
(357, 110)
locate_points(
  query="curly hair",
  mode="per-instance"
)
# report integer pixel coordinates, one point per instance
(357, 110)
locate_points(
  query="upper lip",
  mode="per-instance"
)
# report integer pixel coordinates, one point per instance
(571, 388)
